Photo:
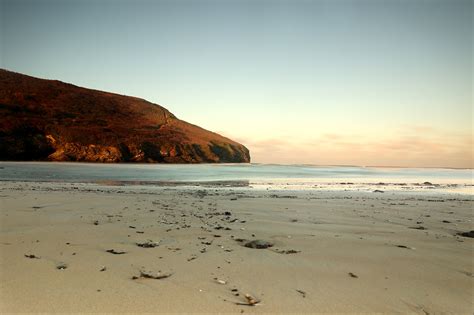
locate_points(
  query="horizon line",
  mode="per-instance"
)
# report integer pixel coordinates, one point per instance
(251, 163)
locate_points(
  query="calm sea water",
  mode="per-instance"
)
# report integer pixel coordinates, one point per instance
(253, 175)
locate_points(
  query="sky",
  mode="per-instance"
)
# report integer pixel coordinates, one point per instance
(341, 82)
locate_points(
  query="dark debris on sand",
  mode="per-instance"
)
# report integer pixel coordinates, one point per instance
(116, 252)
(466, 234)
(287, 251)
(148, 244)
(32, 256)
(417, 227)
(403, 246)
(303, 293)
(258, 244)
(61, 266)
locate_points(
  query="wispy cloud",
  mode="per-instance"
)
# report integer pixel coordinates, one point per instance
(415, 146)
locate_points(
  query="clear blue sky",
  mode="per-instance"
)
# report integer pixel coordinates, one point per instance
(326, 82)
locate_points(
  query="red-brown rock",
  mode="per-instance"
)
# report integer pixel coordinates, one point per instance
(51, 120)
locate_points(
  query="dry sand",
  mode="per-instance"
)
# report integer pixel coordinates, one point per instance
(355, 252)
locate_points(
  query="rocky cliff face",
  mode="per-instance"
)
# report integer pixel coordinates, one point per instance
(51, 120)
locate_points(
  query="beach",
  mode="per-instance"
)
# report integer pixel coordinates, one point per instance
(88, 247)
(236, 157)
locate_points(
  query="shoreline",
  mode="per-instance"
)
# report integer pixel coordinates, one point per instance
(333, 251)
(250, 163)
(262, 177)
(280, 185)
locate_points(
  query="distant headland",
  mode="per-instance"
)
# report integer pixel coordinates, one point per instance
(49, 120)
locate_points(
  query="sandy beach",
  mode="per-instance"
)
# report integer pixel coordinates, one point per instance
(96, 248)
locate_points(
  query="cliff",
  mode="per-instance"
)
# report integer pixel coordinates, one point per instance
(51, 120)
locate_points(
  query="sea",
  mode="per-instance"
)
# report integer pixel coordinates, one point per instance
(246, 176)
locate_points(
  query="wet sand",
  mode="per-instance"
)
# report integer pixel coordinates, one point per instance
(332, 252)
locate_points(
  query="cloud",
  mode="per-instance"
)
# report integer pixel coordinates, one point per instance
(414, 146)
(331, 136)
